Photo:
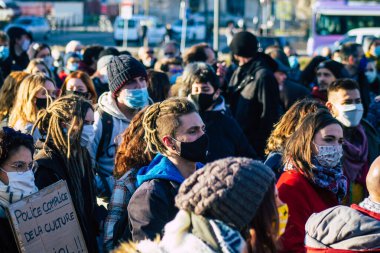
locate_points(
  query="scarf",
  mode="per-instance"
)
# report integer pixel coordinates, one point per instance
(331, 179)
(355, 155)
(370, 205)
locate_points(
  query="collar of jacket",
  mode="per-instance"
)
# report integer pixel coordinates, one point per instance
(366, 212)
(161, 168)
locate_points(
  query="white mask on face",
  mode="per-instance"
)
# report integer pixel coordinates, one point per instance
(22, 182)
(349, 115)
(25, 45)
(88, 135)
(371, 76)
(329, 156)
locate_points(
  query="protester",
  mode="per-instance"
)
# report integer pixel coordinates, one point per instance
(40, 51)
(253, 91)
(90, 59)
(8, 92)
(171, 50)
(352, 55)
(158, 85)
(201, 86)
(130, 157)
(16, 179)
(100, 78)
(308, 75)
(171, 66)
(5, 61)
(349, 229)
(71, 64)
(373, 78)
(74, 46)
(283, 129)
(63, 155)
(361, 140)
(35, 93)
(19, 42)
(290, 91)
(313, 179)
(327, 72)
(38, 66)
(146, 57)
(79, 83)
(127, 96)
(201, 52)
(374, 51)
(174, 130)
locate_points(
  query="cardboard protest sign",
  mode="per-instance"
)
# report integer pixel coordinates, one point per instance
(46, 222)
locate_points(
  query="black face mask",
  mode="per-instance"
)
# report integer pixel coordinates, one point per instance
(195, 151)
(203, 101)
(78, 93)
(41, 103)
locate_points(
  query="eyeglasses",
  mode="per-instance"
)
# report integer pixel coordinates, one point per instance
(22, 167)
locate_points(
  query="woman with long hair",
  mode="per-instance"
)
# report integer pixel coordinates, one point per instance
(282, 131)
(130, 157)
(34, 94)
(175, 131)
(38, 66)
(79, 83)
(313, 178)
(67, 123)
(8, 93)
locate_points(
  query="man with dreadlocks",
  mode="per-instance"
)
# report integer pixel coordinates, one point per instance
(175, 131)
(67, 123)
(128, 95)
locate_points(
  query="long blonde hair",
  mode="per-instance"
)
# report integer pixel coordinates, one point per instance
(25, 110)
(8, 92)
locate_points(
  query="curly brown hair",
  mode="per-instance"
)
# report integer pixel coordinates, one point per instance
(131, 152)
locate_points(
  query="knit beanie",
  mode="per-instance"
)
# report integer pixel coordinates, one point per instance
(230, 190)
(122, 69)
(244, 44)
(103, 61)
(335, 67)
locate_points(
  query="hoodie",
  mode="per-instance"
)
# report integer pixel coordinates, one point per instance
(152, 205)
(120, 123)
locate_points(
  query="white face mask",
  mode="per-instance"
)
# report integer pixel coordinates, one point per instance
(329, 156)
(349, 115)
(88, 135)
(22, 182)
(371, 76)
(48, 60)
(25, 45)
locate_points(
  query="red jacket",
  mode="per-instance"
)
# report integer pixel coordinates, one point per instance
(303, 199)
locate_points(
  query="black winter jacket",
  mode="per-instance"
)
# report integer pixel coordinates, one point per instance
(255, 101)
(52, 168)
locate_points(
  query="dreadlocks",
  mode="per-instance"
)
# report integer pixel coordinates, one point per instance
(162, 119)
(68, 112)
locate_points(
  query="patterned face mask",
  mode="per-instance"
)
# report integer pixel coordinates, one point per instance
(329, 156)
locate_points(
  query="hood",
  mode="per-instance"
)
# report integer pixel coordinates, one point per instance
(108, 104)
(342, 228)
(161, 168)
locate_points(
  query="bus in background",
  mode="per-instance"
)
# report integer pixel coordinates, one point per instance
(331, 20)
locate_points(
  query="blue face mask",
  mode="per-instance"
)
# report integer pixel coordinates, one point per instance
(4, 52)
(377, 51)
(293, 61)
(137, 98)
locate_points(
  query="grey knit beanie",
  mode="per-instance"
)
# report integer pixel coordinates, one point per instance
(122, 69)
(230, 190)
(103, 61)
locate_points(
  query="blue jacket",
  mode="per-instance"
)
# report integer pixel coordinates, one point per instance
(152, 205)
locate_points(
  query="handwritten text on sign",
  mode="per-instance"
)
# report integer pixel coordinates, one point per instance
(46, 222)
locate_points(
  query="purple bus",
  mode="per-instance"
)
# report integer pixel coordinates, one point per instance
(331, 20)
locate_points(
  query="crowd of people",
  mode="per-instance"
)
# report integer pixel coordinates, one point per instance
(182, 152)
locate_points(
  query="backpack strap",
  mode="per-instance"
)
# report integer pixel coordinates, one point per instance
(107, 127)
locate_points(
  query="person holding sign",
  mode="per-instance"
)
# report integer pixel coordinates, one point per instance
(16, 178)
(67, 123)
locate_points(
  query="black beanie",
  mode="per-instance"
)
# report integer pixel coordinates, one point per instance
(335, 67)
(244, 44)
(121, 69)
